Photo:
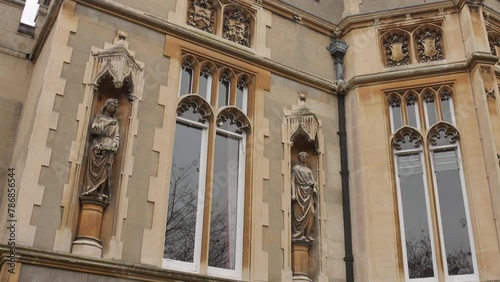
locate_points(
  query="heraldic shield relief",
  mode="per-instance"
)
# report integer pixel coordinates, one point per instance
(201, 14)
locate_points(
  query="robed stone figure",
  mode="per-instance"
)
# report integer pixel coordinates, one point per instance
(104, 143)
(304, 190)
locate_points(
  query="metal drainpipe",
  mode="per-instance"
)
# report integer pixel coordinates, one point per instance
(337, 49)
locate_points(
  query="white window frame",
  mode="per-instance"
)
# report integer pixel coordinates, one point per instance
(426, 112)
(392, 117)
(417, 112)
(194, 266)
(235, 273)
(209, 87)
(190, 82)
(401, 216)
(455, 278)
(452, 109)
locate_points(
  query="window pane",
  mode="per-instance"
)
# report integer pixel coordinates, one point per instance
(224, 210)
(412, 109)
(446, 107)
(430, 111)
(183, 195)
(186, 80)
(223, 93)
(452, 212)
(397, 119)
(419, 250)
(241, 98)
(205, 86)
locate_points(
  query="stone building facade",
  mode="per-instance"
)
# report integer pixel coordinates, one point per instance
(395, 103)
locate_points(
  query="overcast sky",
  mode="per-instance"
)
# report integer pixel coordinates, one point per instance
(29, 12)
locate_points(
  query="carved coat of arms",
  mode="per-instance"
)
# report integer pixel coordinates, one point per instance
(236, 27)
(397, 50)
(429, 46)
(201, 14)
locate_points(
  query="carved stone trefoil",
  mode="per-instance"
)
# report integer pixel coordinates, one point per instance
(429, 45)
(201, 14)
(396, 50)
(237, 27)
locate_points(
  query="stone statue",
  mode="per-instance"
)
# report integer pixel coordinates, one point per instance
(304, 192)
(104, 143)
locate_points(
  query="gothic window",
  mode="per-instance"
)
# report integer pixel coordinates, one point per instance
(207, 183)
(224, 18)
(430, 182)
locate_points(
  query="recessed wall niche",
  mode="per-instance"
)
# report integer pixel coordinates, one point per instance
(417, 43)
(228, 19)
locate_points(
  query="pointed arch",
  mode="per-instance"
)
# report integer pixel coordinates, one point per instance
(198, 104)
(235, 116)
(406, 138)
(443, 133)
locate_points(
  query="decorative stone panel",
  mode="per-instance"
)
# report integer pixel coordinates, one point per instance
(236, 26)
(409, 44)
(429, 43)
(201, 14)
(396, 48)
(494, 41)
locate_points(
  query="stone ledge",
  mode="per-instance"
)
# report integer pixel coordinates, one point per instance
(425, 69)
(106, 267)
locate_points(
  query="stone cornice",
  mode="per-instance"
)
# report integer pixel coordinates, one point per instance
(288, 11)
(106, 267)
(216, 44)
(422, 71)
(367, 19)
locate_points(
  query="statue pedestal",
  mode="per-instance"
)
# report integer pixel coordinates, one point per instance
(88, 241)
(300, 260)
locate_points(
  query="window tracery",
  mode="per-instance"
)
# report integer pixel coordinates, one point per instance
(444, 196)
(208, 171)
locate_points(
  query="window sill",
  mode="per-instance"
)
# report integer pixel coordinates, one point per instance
(106, 267)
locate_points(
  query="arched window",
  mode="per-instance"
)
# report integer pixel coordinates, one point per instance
(414, 208)
(187, 184)
(395, 112)
(454, 219)
(207, 179)
(430, 181)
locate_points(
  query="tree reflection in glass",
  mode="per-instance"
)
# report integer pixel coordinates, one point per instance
(183, 195)
(419, 251)
(224, 212)
(452, 212)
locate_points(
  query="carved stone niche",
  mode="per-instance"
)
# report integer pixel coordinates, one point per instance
(396, 48)
(114, 76)
(238, 25)
(429, 44)
(305, 233)
(202, 14)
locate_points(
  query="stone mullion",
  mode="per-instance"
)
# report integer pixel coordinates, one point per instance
(205, 234)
